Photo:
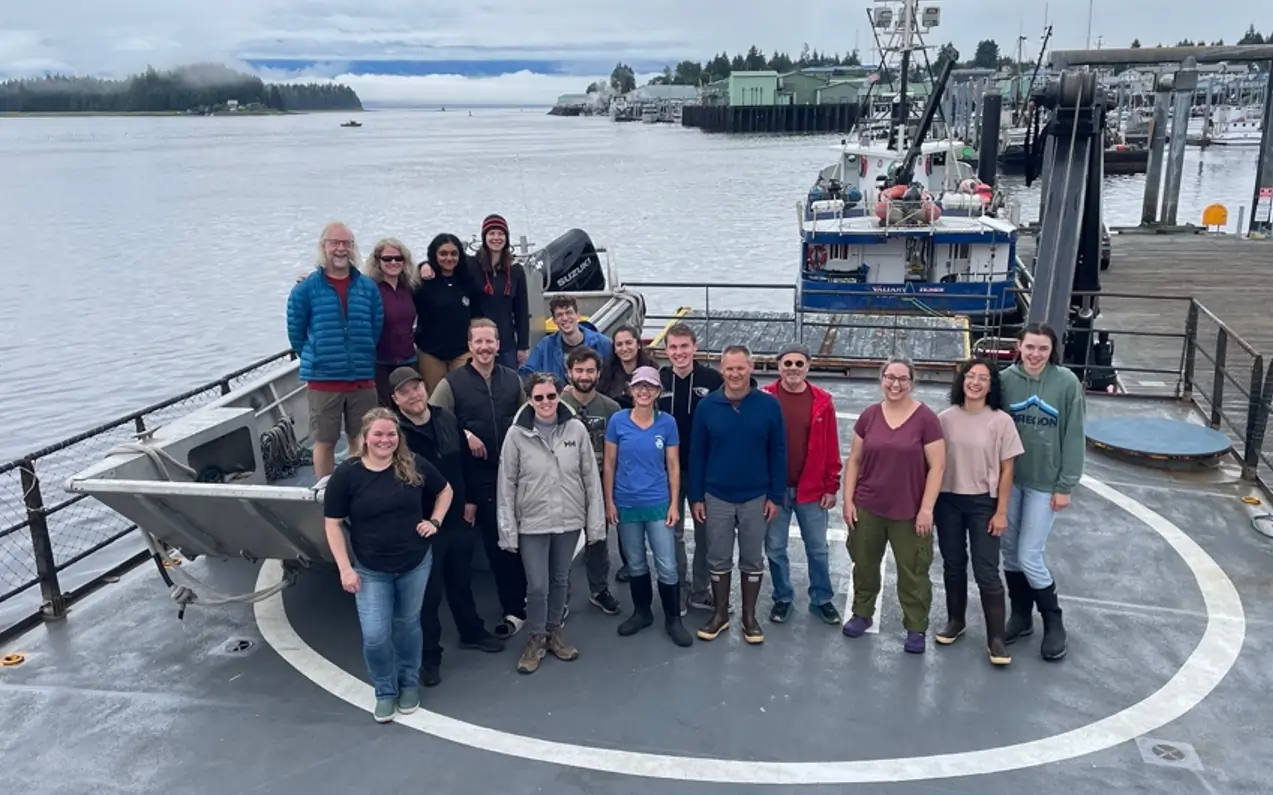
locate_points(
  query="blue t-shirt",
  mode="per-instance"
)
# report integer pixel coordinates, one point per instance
(640, 469)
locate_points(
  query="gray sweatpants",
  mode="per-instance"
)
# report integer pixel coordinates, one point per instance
(546, 558)
(748, 520)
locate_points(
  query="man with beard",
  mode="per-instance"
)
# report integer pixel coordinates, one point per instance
(685, 383)
(334, 316)
(583, 366)
(434, 433)
(485, 397)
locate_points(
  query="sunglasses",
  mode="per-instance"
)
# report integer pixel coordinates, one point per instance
(794, 363)
(542, 398)
(394, 258)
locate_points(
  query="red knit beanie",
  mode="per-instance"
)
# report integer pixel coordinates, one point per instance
(494, 221)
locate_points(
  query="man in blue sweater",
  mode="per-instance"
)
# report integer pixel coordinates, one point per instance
(550, 353)
(738, 477)
(334, 317)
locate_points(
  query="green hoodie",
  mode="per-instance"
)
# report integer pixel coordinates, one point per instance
(1049, 412)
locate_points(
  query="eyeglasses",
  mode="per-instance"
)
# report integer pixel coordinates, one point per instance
(394, 258)
(794, 363)
(542, 398)
(332, 241)
(897, 379)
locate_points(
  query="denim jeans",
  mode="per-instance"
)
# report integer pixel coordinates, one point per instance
(1030, 518)
(547, 558)
(632, 538)
(389, 614)
(812, 520)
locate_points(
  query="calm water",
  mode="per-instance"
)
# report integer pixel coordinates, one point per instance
(148, 255)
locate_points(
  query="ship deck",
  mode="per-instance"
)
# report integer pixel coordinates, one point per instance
(1163, 581)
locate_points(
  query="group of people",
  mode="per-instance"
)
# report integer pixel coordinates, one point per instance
(541, 451)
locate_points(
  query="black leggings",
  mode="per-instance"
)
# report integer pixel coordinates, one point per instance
(963, 522)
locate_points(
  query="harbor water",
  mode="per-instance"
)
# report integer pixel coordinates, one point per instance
(148, 255)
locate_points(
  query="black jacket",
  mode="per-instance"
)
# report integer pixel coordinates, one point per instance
(681, 396)
(441, 442)
(487, 411)
(444, 306)
(511, 313)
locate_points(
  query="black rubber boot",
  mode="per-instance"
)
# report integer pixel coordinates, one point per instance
(670, 596)
(1021, 595)
(1054, 643)
(956, 609)
(992, 606)
(642, 597)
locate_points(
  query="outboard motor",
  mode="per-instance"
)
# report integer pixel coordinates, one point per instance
(569, 264)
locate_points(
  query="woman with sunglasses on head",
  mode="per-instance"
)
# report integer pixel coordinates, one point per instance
(391, 268)
(642, 472)
(972, 508)
(444, 303)
(549, 493)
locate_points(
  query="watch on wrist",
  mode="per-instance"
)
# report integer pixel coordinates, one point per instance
(434, 522)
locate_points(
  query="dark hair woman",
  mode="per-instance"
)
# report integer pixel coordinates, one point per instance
(499, 284)
(972, 508)
(393, 502)
(444, 304)
(1046, 400)
(629, 354)
(892, 478)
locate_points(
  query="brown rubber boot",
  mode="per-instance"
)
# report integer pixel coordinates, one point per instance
(752, 633)
(956, 609)
(719, 622)
(528, 663)
(559, 647)
(992, 605)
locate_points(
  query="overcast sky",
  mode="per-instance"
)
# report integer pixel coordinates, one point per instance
(541, 48)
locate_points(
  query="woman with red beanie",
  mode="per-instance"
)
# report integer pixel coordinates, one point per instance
(500, 290)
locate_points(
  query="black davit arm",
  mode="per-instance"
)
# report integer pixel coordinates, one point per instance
(907, 171)
(1067, 266)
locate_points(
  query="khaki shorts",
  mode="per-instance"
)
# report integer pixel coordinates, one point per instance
(327, 410)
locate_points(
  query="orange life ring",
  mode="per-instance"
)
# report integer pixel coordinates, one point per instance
(817, 257)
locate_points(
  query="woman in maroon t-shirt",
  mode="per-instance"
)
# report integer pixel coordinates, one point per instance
(892, 478)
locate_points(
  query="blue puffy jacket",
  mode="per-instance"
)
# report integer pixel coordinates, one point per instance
(331, 346)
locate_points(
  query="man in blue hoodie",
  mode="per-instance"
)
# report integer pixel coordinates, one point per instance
(738, 478)
(549, 354)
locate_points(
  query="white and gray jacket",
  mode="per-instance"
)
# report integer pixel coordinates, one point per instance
(548, 487)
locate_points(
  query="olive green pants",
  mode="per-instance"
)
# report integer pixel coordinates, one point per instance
(913, 553)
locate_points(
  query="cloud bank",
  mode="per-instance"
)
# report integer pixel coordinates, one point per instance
(526, 51)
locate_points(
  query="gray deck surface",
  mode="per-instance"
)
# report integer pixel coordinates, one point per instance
(847, 335)
(122, 698)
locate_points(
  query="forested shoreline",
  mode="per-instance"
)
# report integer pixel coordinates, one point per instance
(196, 90)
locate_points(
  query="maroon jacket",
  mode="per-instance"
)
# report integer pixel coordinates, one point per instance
(397, 335)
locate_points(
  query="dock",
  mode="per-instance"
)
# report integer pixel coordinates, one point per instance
(829, 118)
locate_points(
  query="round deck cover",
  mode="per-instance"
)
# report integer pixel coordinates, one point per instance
(1155, 436)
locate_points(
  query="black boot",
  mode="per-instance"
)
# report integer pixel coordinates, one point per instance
(956, 608)
(992, 606)
(752, 633)
(1021, 621)
(670, 596)
(1054, 643)
(642, 597)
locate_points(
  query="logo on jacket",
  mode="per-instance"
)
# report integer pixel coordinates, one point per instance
(464, 300)
(1045, 415)
(659, 441)
(569, 443)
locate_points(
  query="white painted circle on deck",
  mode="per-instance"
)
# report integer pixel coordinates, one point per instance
(1214, 656)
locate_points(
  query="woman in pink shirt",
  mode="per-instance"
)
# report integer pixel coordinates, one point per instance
(892, 477)
(972, 508)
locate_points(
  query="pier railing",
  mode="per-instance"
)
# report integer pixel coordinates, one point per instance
(1201, 360)
(57, 547)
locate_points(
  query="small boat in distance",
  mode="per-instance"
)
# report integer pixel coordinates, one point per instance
(352, 123)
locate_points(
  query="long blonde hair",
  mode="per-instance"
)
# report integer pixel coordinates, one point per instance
(410, 271)
(403, 459)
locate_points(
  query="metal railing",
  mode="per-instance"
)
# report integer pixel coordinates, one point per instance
(46, 531)
(1206, 363)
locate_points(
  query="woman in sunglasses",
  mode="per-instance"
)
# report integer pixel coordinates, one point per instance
(549, 493)
(389, 266)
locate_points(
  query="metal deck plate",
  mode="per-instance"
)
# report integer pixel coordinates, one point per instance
(1157, 438)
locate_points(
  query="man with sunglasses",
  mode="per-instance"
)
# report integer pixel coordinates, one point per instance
(813, 480)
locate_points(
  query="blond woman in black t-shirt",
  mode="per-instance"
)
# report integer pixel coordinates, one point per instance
(391, 502)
